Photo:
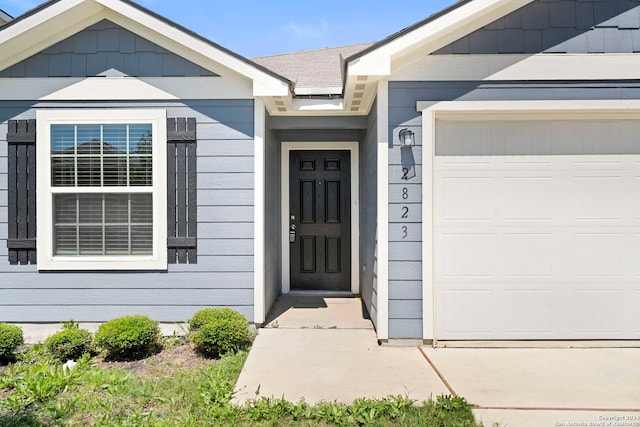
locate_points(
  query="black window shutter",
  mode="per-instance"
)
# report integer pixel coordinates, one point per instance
(182, 203)
(21, 141)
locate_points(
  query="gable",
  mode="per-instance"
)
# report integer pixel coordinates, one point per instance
(558, 26)
(31, 36)
(105, 48)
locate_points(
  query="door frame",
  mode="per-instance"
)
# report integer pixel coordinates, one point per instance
(352, 147)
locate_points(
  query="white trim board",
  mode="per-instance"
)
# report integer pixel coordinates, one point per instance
(491, 110)
(432, 35)
(620, 66)
(259, 283)
(124, 88)
(382, 290)
(353, 148)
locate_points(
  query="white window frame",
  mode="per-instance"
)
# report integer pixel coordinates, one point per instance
(45, 254)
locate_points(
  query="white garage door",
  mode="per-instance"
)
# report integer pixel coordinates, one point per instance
(537, 229)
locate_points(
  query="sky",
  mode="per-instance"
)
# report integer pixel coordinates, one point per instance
(266, 27)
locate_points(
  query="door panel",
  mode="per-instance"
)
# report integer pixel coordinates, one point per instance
(320, 203)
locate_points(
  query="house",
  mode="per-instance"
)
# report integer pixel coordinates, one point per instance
(472, 177)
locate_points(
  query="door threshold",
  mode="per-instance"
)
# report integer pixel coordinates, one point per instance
(327, 294)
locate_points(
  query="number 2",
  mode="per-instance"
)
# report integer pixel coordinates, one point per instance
(405, 212)
(405, 172)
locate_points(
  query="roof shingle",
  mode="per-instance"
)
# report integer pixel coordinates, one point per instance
(312, 69)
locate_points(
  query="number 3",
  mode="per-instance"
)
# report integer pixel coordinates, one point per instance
(405, 231)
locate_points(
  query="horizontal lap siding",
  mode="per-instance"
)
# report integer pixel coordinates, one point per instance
(223, 275)
(405, 253)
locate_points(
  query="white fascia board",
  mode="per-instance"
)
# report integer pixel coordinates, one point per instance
(123, 88)
(37, 32)
(547, 66)
(264, 83)
(468, 18)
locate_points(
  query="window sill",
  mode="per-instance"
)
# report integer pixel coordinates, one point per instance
(62, 263)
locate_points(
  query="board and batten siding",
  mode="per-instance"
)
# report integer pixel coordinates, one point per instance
(223, 275)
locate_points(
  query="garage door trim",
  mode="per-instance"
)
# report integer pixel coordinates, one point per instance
(489, 110)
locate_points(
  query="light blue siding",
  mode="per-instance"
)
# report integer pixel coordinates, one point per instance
(223, 275)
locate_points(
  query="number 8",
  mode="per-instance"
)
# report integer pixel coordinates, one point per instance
(405, 193)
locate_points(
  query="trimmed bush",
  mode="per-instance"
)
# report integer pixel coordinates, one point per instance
(216, 331)
(128, 337)
(11, 337)
(70, 343)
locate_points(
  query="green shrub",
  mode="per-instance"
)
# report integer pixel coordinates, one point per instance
(216, 331)
(128, 337)
(11, 338)
(70, 343)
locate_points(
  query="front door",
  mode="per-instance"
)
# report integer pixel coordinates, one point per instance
(320, 220)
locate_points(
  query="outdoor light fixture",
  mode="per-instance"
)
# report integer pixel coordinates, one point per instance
(407, 137)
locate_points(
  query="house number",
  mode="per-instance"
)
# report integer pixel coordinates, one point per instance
(405, 212)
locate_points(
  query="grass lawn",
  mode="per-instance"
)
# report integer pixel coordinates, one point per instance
(176, 387)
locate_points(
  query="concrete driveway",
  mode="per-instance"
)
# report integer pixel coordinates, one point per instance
(545, 387)
(325, 350)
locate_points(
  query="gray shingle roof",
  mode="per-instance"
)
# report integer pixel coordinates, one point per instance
(312, 69)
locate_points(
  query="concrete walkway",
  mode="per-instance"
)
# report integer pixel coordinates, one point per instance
(324, 349)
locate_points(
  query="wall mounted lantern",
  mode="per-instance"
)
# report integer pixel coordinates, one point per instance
(407, 141)
(407, 137)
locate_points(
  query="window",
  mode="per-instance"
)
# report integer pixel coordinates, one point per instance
(101, 189)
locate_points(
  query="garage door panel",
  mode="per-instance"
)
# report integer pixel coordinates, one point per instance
(470, 198)
(596, 312)
(528, 311)
(636, 301)
(528, 254)
(528, 197)
(601, 254)
(464, 312)
(466, 255)
(536, 228)
(597, 197)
